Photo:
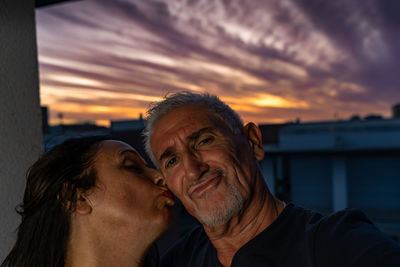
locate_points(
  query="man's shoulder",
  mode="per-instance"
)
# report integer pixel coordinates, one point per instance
(355, 240)
(343, 238)
(346, 223)
(344, 226)
(333, 223)
(299, 219)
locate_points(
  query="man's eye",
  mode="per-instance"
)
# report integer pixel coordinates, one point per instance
(170, 162)
(205, 141)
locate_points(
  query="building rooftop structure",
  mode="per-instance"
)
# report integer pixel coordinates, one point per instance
(128, 125)
(60, 133)
(329, 166)
(341, 136)
(396, 111)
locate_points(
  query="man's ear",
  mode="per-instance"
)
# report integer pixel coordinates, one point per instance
(254, 137)
(83, 205)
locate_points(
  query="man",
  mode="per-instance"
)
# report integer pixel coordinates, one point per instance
(210, 162)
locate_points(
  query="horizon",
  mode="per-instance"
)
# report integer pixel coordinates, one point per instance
(107, 124)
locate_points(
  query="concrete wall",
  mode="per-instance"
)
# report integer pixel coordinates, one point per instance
(327, 182)
(310, 182)
(20, 118)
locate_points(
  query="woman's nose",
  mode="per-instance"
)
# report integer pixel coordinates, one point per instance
(156, 177)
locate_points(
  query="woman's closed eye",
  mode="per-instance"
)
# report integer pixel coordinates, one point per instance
(132, 165)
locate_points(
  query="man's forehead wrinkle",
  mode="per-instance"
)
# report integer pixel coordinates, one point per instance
(195, 135)
(178, 127)
(190, 137)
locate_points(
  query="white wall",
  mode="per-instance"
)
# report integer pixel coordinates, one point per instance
(20, 119)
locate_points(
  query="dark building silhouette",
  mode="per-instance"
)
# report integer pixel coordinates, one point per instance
(396, 111)
(270, 133)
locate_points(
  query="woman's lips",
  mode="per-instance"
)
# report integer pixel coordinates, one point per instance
(168, 194)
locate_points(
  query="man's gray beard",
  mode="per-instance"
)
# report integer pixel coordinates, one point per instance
(221, 213)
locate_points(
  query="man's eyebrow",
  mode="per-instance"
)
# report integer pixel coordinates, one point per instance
(165, 154)
(197, 134)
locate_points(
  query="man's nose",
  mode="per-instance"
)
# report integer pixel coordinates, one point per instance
(194, 165)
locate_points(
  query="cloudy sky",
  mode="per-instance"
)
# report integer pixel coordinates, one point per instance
(271, 60)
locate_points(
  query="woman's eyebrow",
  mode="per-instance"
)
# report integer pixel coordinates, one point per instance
(127, 154)
(132, 152)
(128, 151)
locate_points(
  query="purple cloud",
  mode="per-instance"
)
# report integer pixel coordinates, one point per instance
(331, 56)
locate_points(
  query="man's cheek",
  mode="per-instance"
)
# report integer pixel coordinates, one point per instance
(174, 187)
(189, 206)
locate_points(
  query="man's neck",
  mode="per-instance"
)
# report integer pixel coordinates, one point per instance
(229, 238)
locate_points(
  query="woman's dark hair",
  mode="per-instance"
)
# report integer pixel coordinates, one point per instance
(52, 186)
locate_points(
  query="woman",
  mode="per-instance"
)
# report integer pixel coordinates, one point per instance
(90, 202)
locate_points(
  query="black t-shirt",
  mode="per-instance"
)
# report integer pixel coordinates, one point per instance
(152, 258)
(298, 237)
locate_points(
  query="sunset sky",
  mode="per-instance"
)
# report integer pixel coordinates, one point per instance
(271, 60)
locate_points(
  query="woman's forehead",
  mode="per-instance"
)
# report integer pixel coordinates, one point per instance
(115, 149)
(115, 145)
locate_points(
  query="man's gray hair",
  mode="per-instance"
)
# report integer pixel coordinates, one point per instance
(177, 100)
